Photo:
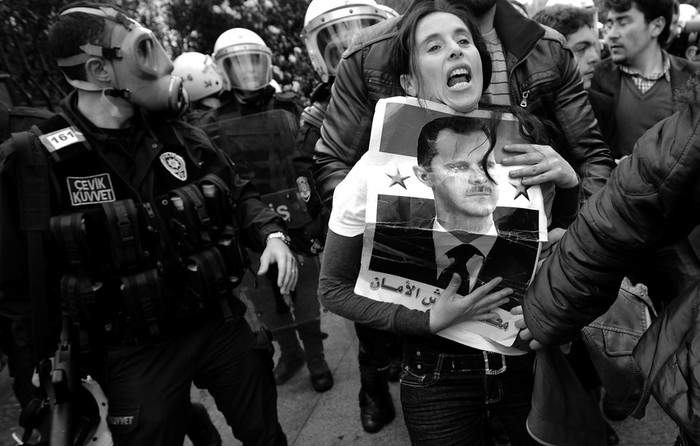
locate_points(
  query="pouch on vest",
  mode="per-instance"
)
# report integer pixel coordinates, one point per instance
(84, 301)
(234, 255)
(208, 280)
(124, 234)
(71, 233)
(190, 220)
(218, 201)
(145, 301)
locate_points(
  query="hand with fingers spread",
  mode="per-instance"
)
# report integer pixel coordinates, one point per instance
(478, 305)
(541, 165)
(525, 341)
(278, 252)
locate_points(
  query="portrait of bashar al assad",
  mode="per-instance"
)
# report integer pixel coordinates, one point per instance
(456, 160)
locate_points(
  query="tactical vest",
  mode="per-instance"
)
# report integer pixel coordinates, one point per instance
(141, 268)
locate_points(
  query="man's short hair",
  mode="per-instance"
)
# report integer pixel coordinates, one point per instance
(427, 150)
(565, 19)
(650, 8)
(69, 32)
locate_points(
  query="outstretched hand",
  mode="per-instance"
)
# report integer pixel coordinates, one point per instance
(543, 164)
(478, 305)
(278, 252)
(525, 340)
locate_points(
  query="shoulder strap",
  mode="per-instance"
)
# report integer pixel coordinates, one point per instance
(33, 189)
(33, 181)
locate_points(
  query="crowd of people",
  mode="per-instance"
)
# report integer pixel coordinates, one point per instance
(178, 220)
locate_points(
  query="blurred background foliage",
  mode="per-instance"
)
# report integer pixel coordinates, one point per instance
(33, 79)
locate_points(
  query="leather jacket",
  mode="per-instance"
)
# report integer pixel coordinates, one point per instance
(651, 200)
(543, 79)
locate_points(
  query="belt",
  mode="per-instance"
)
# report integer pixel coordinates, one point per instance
(428, 360)
(490, 363)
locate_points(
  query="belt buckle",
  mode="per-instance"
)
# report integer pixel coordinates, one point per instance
(487, 368)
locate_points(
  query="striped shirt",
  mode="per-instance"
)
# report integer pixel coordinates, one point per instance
(498, 92)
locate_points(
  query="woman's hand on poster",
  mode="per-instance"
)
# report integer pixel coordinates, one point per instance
(451, 308)
(541, 163)
(525, 341)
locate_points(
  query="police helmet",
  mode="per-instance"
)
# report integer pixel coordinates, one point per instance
(244, 58)
(330, 25)
(200, 75)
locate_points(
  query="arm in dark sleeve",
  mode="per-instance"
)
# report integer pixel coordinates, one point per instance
(255, 220)
(590, 156)
(651, 200)
(565, 206)
(339, 271)
(346, 128)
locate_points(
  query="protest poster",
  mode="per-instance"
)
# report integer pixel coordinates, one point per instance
(438, 196)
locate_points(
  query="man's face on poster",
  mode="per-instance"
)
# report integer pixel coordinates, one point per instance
(461, 188)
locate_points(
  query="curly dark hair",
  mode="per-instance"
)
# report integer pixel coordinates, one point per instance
(564, 18)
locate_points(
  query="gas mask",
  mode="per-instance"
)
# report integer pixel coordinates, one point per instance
(141, 66)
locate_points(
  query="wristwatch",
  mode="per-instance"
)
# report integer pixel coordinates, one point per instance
(279, 235)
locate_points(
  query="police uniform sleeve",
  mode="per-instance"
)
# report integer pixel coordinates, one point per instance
(255, 219)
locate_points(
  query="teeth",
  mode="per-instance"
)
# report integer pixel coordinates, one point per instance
(459, 73)
(459, 85)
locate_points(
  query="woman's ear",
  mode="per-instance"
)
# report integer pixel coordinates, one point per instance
(408, 84)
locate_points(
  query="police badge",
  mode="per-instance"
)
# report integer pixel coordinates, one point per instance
(175, 165)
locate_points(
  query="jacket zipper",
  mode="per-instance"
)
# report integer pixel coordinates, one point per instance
(523, 101)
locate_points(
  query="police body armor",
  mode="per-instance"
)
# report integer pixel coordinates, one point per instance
(140, 268)
(261, 146)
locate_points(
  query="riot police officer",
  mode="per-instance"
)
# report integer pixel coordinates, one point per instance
(266, 121)
(329, 26)
(246, 61)
(136, 220)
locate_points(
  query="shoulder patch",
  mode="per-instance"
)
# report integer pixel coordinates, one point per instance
(61, 138)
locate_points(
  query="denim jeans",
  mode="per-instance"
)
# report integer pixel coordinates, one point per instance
(445, 398)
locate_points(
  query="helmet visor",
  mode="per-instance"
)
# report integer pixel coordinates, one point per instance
(334, 39)
(248, 71)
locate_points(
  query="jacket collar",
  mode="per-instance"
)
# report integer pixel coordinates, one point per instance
(518, 34)
(69, 106)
